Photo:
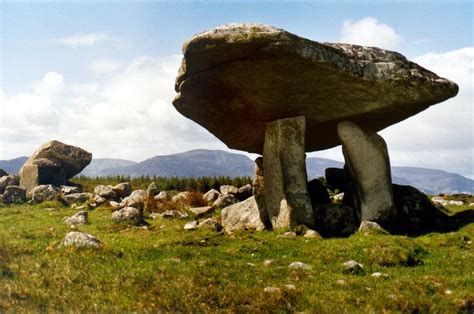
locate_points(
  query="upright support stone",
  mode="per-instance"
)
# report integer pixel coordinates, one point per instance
(368, 163)
(286, 195)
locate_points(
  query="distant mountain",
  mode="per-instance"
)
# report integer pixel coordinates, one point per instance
(100, 166)
(12, 166)
(198, 163)
(195, 163)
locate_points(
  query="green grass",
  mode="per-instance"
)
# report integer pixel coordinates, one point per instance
(166, 268)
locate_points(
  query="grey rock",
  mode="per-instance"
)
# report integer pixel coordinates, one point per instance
(244, 215)
(123, 189)
(66, 190)
(288, 234)
(79, 218)
(379, 275)
(193, 225)
(152, 191)
(286, 196)
(98, 200)
(311, 234)
(80, 240)
(53, 163)
(7, 181)
(181, 197)
(135, 199)
(271, 290)
(225, 200)
(128, 215)
(300, 266)
(229, 189)
(335, 220)
(105, 191)
(352, 267)
(174, 214)
(73, 198)
(201, 211)
(366, 225)
(210, 223)
(368, 163)
(162, 196)
(78, 206)
(237, 71)
(14, 195)
(244, 192)
(211, 196)
(43, 193)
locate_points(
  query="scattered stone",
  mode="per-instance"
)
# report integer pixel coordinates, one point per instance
(123, 189)
(201, 211)
(439, 200)
(43, 193)
(98, 200)
(288, 234)
(244, 192)
(181, 197)
(225, 200)
(105, 191)
(79, 218)
(300, 266)
(7, 181)
(173, 214)
(318, 193)
(211, 196)
(448, 292)
(244, 215)
(272, 290)
(370, 226)
(66, 190)
(471, 204)
(353, 267)
(210, 223)
(162, 196)
(228, 189)
(338, 197)
(456, 203)
(341, 282)
(268, 262)
(115, 205)
(128, 215)
(77, 198)
(78, 206)
(80, 240)
(53, 163)
(290, 287)
(380, 275)
(14, 195)
(135, 199)
(193, 225)
(311, 234)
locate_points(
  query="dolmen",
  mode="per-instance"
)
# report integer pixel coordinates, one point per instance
(264, 90)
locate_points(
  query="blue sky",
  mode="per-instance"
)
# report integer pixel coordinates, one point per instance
(96, 74)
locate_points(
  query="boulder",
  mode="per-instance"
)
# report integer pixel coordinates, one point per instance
(300, 266)
(79, 218)
(244, 192)
(75, 198)
(7, 181)
(211, 196)
(335, 220)
(181, 197)
(209, 223)
(128, 215)
(80, 240)
(14, 195)
(229, 189)
(244, 215)
(201, 211)
(225, 200)
(43, 193)
(53, 163)
(105, 191)
(151, 192)
(162, 196)
(173, 214)
(123, 189)
(353, 267)
(242, 76)
(66, 190)
(135, 199)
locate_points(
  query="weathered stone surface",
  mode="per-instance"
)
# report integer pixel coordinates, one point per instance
(136, 199)
(258, 190)
(53, 163)
(123, 189)
(353, 267)
(201, 211)
(252, 74)
(128, 215)
(368, 163)
(79, 218)
(244, 215)
(244, 192)
(225, 200)
(318, 193)
(335, 220)
(209, 223)
(228, 189)
(286, 196)
(77, 198)
(173, 214)
(80, 240)
(211, 196)
(7, 181)
(14, 195)
(65, 189)
(43, 193)
(299, 266)
(105, 191)
(162, 196)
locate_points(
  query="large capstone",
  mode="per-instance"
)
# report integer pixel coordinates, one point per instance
(242, 76)
(53, 163)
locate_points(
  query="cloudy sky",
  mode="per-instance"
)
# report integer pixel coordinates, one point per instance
(100, 75)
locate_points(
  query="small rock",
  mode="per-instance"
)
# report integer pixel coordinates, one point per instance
(78, 206)
(115, 205)
(211, 196)
(66, 189)
(229, 189)
(191, 225)
(80, 240)
(77, 198)
(290, 287)
(471, 204)
(129, 215)
(123, 189)
(369, 226)
(338, 197)
(201, 211)
(311, 234)
(300, 265)
(244, 192)
(272, 290)
(135, 199)
(225, 200)
(456, 203)
(105, 191)
(379, 275)
(288, 234)
(99, 200)
(341, 282)
(210, 223)
(353, 267)
(155, 215)
(43, 193)
(171, 214)
(268, 262)
(448, 292)
(79, 218)
(162, 196)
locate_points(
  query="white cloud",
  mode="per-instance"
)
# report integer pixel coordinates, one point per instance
(103, 66)
(370, 32)
(81, 40)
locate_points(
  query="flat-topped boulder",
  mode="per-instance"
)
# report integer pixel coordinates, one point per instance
(236, 78)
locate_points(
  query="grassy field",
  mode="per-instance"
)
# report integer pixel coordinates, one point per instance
(164, 268)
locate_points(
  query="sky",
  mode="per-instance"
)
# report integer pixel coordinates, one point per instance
(100, 74)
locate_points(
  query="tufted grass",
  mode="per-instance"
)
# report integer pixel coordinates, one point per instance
(164, 268)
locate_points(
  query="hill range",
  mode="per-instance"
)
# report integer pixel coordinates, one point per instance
(198, 163)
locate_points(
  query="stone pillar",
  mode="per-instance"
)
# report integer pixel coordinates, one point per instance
(286, 195)
(368, 163)
(258, 191)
